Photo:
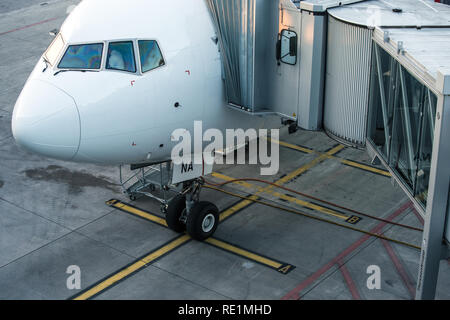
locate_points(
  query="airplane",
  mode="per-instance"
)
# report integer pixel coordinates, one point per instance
(117, 80)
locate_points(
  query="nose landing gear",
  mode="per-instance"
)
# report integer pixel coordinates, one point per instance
(186, 213)
(179, 202)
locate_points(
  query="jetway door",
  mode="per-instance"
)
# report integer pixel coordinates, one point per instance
(235, 25)
(248, 33)
(286, 73)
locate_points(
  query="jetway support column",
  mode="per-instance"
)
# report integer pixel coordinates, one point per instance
(437, 217)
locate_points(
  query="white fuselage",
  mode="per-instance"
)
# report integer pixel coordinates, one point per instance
(116, 117)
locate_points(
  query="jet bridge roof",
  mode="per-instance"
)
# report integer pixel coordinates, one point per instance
(356, 10)
(426, 51)
(385, 13)
(322, 5)
(417, 32)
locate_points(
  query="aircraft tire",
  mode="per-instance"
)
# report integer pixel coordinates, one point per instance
(174, 212)
(202, 221)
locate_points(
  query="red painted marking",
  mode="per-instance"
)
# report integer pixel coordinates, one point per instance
(133, 144)
(419, 217)
(28, 26)
(132, 82)
(400, 269)
(295, 293)
(188, 72)
(349, 281)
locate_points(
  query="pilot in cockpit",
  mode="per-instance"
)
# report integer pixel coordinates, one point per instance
(116, 60)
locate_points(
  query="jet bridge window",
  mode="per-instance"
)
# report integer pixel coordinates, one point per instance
(121, 56)
(83, 56)
(402, 113)
(150, 55)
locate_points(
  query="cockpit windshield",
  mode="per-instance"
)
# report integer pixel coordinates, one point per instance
(150, 54)
(83, 56)
(120, 56)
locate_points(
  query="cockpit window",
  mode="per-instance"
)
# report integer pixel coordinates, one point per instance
(150, 54)
(54, 50)
(83, 56)
(121, 56)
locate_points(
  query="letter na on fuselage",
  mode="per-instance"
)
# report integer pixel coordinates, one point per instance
(119, 78)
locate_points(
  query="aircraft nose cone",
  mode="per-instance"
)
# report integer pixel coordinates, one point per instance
(46, 121)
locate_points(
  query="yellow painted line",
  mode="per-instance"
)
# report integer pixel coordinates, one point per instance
(311, 206)
(309, 165)
(283, 196)
(242, 183)
(344, 161)
(237, 207)
(167, 248)
(292, 146)
(240, 205)
(139, 264)
(366, 168)
(280, 267)
(140, 213)
(268, 189)
(242, 252)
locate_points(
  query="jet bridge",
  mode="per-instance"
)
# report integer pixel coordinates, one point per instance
(249, 31)
(372, 74)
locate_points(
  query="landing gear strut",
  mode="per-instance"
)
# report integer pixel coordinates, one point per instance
(186, 213)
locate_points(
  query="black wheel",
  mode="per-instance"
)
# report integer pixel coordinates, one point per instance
(132, 197)
(174, 212)
(202, 221)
